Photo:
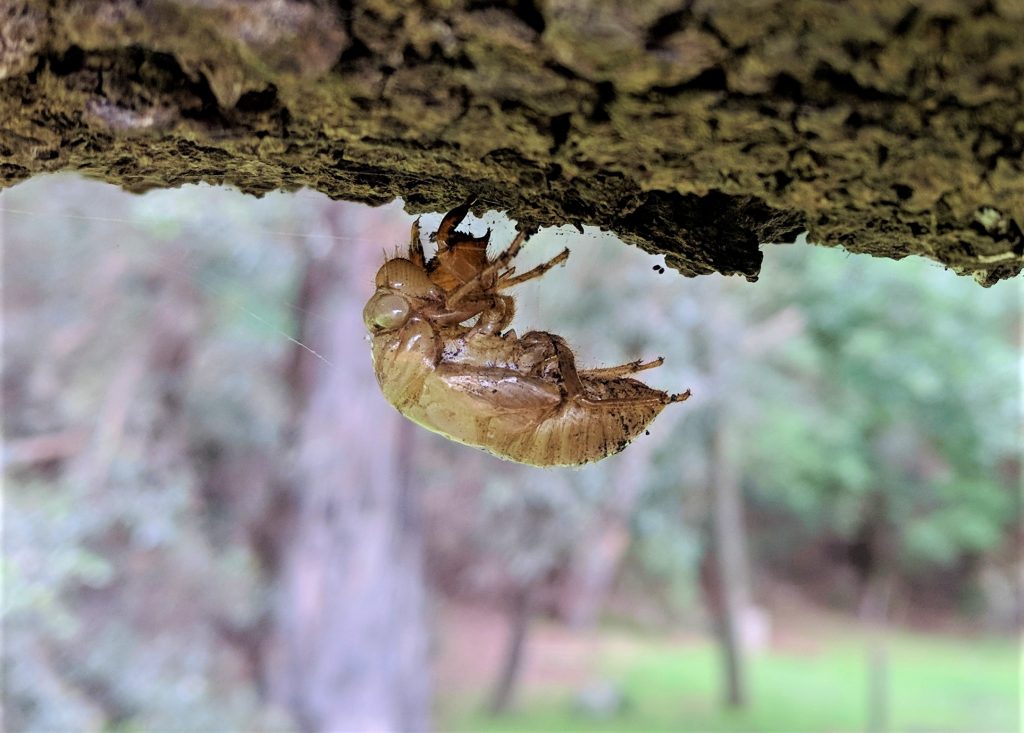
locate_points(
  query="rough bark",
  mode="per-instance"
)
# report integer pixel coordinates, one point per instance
(693, 128)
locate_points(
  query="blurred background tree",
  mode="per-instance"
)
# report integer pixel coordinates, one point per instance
(209, 528)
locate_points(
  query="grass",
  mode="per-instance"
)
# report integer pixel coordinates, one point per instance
(935, 684)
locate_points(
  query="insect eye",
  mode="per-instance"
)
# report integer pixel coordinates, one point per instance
(401, 274)
(385, 311)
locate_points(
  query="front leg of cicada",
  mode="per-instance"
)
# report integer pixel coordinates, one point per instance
(487, 277)
(493, 313)
(507, 281)
(451, 220)
(449, 239)
(497, 317)
(549, 346)
(467, 309)
(416, 255)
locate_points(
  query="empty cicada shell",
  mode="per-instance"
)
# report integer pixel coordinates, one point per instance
(520, 398)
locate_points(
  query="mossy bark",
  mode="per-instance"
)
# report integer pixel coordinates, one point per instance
(693, 128)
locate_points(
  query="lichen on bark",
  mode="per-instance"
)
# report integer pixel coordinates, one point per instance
(697, 129)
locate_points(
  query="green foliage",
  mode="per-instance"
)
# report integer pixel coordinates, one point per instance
(900, 393)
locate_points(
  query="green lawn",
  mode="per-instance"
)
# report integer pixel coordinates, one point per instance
(935, 684)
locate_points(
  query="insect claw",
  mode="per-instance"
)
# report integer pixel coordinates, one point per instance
(452, 219)
(681, 397)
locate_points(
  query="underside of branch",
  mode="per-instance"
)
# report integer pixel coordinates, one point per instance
(699, 130)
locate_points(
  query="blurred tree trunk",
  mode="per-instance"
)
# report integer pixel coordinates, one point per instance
(729, 551)
(352, 613)
(727, 573)
(519, 613)
(871, 554)
(874, 614)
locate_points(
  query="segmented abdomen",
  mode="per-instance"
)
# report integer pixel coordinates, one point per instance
(586, 430)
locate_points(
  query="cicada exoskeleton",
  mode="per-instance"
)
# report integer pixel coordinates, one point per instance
(444, 357)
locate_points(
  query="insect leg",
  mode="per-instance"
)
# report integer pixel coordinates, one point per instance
(495, 311)
(508, 282)
(509, 254)
(451, 220)
(566, 366)
(488, 274)
(496, 318)
(623, 370)
(662, 398)
(416, 245)
(463, 313)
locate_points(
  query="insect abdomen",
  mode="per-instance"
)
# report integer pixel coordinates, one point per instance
(583, 432)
